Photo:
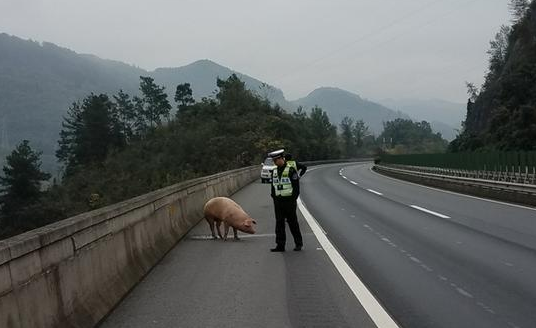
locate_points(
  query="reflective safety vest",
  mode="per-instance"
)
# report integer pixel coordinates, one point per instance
(293, 164)
(283, 186)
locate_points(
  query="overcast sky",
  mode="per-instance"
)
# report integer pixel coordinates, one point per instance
(375, 48)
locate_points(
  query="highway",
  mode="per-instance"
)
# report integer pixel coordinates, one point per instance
(241, 284)
(432, 258)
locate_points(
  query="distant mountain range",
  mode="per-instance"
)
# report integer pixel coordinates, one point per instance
(39, 81)
(340, 103)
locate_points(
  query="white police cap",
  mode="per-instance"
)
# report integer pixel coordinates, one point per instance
(276, 153)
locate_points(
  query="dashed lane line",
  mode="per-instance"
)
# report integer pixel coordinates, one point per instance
(375, 192)
(443, 216)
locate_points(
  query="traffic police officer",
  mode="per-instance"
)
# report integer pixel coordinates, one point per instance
(285, 190)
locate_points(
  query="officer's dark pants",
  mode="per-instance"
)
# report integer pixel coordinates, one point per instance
(286, 209)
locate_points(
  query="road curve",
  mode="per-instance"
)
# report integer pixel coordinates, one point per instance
(432, 258)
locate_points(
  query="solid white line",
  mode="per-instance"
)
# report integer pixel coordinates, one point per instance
(430, 212)
(353, 182)
(375, 192)
(453, 192)
(376, 312)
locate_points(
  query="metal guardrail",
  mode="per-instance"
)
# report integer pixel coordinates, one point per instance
(499, 176)
(507, 161)
(333, 161)
(526, 188)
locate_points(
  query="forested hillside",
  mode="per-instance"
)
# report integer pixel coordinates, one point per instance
(38, 83)
(502, 113)
(118, 146)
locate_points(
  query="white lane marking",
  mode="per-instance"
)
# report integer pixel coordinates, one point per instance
(353, 182)
(464, 293)
(414, 259)
(430, 212)
(344, 177)
(454, 193)
(485, 307)
(375, 192)
(427, 268)
(376, 312)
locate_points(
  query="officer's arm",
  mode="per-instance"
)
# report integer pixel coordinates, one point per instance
(295, 180)
(301, 168)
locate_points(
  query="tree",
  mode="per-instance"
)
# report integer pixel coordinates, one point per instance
(183, 96)
(406, 136)
(125, 115)
(21, 183)
(89, 132)
(359, 132)
(153, 105)
(518, 8)
(347, 137)
(472, 91)
(498, 50)
(324, 135)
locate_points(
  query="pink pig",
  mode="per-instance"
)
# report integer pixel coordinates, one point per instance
(223, 209)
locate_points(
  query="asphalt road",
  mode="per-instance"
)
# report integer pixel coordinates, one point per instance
(207, 283)
(432, 258)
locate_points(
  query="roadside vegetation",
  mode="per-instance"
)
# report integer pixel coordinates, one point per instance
(501, 114)
(116, 147)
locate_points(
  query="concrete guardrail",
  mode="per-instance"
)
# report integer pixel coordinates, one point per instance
(73, 272)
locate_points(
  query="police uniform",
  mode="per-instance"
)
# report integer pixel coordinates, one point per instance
(299, 167)
(284, 191)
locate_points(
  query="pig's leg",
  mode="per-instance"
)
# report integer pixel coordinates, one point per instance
(226, 225)
(218, 224)
(235, 234)
(211, 225)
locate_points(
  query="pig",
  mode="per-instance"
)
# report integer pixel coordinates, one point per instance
(223, 209)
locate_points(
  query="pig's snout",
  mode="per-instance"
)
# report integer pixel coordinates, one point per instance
(248, 226)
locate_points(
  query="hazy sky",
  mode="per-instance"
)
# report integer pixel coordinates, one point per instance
(376, 48)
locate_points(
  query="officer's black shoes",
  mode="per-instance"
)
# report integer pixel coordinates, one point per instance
(298, 248)
(277, 249)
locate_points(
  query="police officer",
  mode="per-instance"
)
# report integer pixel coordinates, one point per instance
(285, 190)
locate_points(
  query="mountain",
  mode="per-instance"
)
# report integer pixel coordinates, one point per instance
(39, 81)
(338, 103)
(502, 114)
(202, 76)
(444, 116)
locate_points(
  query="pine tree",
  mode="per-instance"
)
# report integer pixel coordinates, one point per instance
(21, 184)
(89, 132)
